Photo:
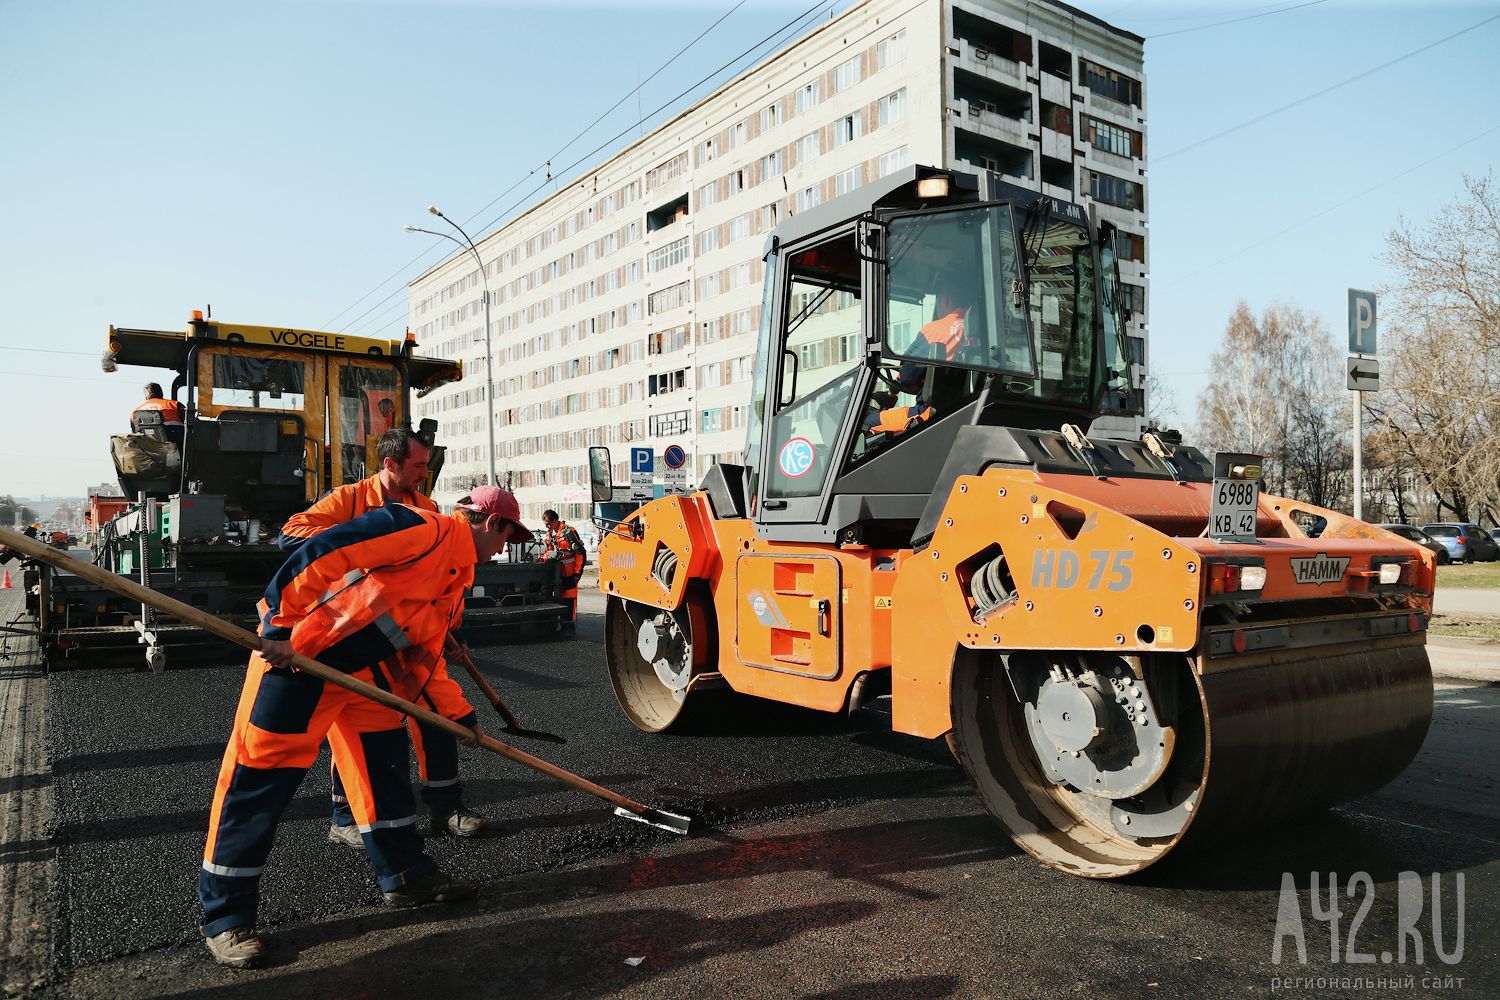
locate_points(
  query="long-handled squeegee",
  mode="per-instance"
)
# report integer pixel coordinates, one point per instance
(624, 807)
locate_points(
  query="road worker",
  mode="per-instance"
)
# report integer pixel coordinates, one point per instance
(941, 339)
(170, 410)
(376, 598)
(564, 545)
(403, 469)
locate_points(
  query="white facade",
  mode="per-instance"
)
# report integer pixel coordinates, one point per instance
(624, 306)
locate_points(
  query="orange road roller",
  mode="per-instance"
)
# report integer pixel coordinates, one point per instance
(1127, 644)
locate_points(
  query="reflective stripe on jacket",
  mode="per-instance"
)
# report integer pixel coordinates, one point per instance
(385, 587)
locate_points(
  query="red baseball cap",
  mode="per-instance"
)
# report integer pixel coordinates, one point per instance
(493, 501)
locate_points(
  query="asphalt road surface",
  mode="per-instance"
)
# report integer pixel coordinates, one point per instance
(836, 859)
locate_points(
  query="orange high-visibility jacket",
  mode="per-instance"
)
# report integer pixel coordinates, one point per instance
(384, 588)
(170, 410)
(564, 545)
(341, 506)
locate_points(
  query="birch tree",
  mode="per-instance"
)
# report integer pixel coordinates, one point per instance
(1440, 402)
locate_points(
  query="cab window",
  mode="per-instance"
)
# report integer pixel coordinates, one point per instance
(258, 383)
(821, 351)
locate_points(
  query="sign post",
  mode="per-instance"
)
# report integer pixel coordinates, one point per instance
(1364, 376)
(674, 471)
(642, 465)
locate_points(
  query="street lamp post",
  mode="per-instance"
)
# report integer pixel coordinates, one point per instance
(489, 357)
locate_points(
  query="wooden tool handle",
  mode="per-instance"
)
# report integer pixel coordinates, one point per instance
(458, 651)
(42, 552)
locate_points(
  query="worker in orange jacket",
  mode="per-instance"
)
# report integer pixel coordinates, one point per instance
(374, 597)
(941, 339)
(403, 461)
(170, 410)
(564, 545)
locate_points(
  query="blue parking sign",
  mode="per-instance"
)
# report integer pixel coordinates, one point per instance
(642, 460)
(1361, 322)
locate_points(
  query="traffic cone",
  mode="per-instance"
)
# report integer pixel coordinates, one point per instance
(6, 585)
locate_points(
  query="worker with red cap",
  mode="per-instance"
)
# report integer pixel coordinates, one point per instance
(403, 470)
(376, 598)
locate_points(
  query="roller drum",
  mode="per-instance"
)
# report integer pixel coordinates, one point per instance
(1276, 736)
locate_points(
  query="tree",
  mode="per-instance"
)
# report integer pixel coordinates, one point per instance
(1442, 398)
(1274, 392)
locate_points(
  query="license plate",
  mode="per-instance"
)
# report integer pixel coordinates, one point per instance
(1231, 515)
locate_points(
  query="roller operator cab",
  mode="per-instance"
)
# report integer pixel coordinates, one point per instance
(1127, 646)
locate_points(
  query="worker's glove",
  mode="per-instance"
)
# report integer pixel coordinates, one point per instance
(277, 652)
(477, 734)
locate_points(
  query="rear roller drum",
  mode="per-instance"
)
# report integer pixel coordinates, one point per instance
(1099, 764)
(653, 656)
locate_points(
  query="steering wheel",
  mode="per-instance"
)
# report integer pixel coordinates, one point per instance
(890, 377)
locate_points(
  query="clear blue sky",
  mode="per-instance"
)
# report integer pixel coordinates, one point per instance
(263, 157)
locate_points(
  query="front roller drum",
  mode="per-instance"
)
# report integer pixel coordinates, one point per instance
(653, 657)
(1099, 765)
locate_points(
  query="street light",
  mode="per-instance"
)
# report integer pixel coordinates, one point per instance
(489, 358)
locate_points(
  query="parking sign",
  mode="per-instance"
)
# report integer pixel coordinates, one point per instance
(642, 465)
(1361, 322)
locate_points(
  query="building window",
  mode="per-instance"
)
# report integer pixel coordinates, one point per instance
(708, 420)
(846, 129)
(846, 76)
(807, 198)
(664, 382)
(667, 299)
(1110, 138)
(1114, 190)
(891, 51)
(809, 147)
(736, 134)
(662, 424)
(706, 150)
(668, 256)
(661, 174)
(708, 240)
(1108, 83)
(809, 96)
(892, 161)
(848, 180)
(892, 108)
(771, 165)
(770, 117)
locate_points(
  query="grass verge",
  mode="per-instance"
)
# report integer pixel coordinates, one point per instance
(1482, 575)
(1468, 626)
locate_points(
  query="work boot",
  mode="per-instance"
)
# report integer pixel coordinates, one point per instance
(346, 835)
(238, 947)
(434, 887)
(461, 822)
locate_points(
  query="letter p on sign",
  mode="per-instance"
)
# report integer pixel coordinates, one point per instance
(1361, 322)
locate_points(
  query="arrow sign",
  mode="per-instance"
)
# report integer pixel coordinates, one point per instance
(1364, 374)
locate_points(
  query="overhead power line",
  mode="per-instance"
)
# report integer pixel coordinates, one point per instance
(48, 350)
(776, 38)
(1237, 20)
(1326, 90)
(544, 165)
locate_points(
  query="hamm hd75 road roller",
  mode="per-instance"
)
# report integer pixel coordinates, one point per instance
(1128, 646)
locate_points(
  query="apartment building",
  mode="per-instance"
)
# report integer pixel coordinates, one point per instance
(624, 305)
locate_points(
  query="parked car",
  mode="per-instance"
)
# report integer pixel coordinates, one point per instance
(1422, 538)
(1465, 542)
(1495, 534)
